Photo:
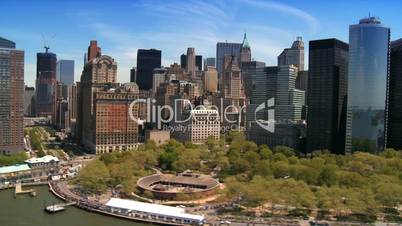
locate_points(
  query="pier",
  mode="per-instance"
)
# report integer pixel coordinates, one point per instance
(18, 190)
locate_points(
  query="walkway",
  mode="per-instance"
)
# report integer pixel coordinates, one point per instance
(61, 190)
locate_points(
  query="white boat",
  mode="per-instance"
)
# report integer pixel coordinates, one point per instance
(54, 208)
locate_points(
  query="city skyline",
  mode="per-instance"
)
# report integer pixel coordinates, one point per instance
(177, 25)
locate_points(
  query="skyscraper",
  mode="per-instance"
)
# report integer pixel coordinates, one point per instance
(289, 101)
(225, 48)
(158, 77)
(209, 62)
(210, 79)
(65, 72)
(232, 80)
(29, 101)
(183, 60)
(104, 122)
(394, 134)
(147, 61)
(255, 81)
(327, 95)
(367, 86)
(133, 74)
(198, 62)
(294, 55)
(190, 64)
(11, 98)
(255, 87)
(93, 50)
(245, 51)
(45, 82)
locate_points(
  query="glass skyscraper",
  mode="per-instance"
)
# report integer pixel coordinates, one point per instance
(147, 61)
(65, 72)
(368, 86)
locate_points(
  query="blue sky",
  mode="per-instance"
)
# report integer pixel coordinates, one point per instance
(122, 26)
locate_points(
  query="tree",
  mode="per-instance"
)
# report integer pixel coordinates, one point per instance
(121, 172)
(328, 175)
(189, 159)
(389, 194)
(287, 151)
(94, 177)
(265, 152)
(7, 160)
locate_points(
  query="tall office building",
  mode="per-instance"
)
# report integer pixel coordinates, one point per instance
(72, 109)
(302, 80)
(210, 80)
(367, 86)
(394, 134)
(209, 62)
(158, 77)
(294, 55)
(289, 101)
(327, 95)
(65, 72)
(60, 106)
(183, 61)
(11, 98)
(103, 113)
(45, 82)
(133, 74)
(147, 61)
(29, 101)
(232, 80)
(93, 50)
(190, 64)
(245, 51)
(225, 48)
(255, 87)
(255, 81)
(198, 62)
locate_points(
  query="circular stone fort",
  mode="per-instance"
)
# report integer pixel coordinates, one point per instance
(170, 186)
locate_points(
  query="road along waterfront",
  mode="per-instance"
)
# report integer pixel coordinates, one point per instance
(61, 190)
(28, 211)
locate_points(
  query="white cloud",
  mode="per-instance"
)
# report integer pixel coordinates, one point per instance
(290, 10)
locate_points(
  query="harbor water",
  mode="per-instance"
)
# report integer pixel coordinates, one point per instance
(25, 210)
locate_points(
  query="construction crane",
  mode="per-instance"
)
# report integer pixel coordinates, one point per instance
(46, 42)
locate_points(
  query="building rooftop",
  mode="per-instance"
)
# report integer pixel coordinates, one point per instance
(5, 43)
(14, 168)
(152, 209)
(44, 159)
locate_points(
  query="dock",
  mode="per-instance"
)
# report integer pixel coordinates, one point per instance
(58, 207)
(18, 190)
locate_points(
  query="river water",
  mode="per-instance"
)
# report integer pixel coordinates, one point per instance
(28, 211)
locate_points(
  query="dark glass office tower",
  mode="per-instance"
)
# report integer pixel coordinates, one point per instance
(327, 95)
(11, 98)
(198, 62)
(133, 74)
(183, 60)
(255, 88)
(147, 61)
(394, 134)
(45, 81)
(367, 86)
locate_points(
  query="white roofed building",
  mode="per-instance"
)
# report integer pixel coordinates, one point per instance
(161, 213)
